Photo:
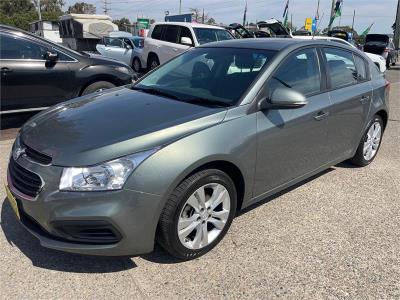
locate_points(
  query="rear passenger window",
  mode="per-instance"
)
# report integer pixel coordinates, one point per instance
(185, 32)
(299, 72)
(361, 69)
(171, 34)
(157, 32)
(341, 67)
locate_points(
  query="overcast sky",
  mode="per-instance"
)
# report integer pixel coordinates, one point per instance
(380, 12)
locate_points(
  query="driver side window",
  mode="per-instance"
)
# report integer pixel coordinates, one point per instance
(300, 72)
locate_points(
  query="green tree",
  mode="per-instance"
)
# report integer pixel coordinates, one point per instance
(122, 23)
(199, 17)
(82, 8)
(17, 13)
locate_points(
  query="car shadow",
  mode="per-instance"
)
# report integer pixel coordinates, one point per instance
(283, 192)
(159, 255)
(50, 259)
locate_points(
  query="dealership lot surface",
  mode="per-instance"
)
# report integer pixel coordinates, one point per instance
(335, 235)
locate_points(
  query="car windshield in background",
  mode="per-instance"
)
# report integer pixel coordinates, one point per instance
(208, 35)
(207, 76)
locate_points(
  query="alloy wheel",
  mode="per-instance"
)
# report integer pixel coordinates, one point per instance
(203, 216)
(372, 141)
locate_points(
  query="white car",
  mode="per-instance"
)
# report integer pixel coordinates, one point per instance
(378, 60)
(166, 40)
(124, 47)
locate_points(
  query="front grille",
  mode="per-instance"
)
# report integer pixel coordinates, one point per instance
(36, 156)
(24, 180)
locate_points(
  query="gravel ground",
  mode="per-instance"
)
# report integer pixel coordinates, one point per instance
(335, 235)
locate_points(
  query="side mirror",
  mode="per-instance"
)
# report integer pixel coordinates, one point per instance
(129, 47)
(283, 98)
(51, 56)
(186, 41)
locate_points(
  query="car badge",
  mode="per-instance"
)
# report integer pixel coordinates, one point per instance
(18, 152)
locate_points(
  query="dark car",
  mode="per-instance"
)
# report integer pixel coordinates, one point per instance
(382, 45)
(173, 157)
(36, 73)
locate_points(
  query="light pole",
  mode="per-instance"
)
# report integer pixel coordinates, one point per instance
(180, 6)
(39, 11)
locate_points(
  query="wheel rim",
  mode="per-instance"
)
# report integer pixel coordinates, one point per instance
(373, 140)
(154, 64)
(204, 216)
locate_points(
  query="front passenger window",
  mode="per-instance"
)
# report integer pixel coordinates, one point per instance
(13, 47)
(299, 72)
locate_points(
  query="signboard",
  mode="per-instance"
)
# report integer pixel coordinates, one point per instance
(308, 24)
(143, 23)
(179, 18)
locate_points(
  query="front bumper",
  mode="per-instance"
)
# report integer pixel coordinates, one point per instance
(131, 215)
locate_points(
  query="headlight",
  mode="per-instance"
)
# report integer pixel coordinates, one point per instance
(124, 70)
(105, 176)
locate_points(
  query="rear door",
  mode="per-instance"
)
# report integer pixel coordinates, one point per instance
(27, 79)
(169, 45)
(293, 142)
(350, 93)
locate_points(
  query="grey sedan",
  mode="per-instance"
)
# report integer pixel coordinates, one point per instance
(174, 157)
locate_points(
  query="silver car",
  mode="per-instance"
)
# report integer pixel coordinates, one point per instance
(127, 49)
(174, 157)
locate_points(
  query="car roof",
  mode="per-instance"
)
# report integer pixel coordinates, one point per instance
(263, 43)
(194, 25)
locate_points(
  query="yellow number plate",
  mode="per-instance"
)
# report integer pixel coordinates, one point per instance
(12, 201)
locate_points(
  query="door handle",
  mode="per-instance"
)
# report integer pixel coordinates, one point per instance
(364, 99)
(321, 115)
(5, 70)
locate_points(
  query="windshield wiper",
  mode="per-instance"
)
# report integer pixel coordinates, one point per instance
(207, 102)
(154, 91)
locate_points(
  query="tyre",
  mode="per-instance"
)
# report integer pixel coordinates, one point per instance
(97, 87)
(370, 143)
(136, 65)
(388, 64)
(198, 214)
(153, 62)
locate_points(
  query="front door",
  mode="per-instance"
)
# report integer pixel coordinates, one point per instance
(27, 79)
(293, 142)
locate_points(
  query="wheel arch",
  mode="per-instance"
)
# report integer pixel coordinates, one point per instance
(104, 77)
(384, 116)
(231, 170)
(150, 55)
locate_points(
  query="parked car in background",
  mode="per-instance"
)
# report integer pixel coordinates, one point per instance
(378, 60)
(173, 157)
(123, 47)
(265, 29)
(382, 45)
(169, 39)
(36, 73)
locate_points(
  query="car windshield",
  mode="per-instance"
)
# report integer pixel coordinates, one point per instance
(207, 76)
(208, 35)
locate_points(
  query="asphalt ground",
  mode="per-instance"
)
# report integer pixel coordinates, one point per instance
(336, 235)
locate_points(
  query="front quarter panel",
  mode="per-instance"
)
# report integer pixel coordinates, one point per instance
(233, 140)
